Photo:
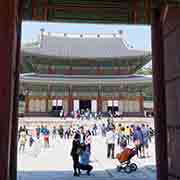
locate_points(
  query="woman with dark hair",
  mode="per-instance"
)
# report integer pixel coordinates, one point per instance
(75, 151)
(88, 140)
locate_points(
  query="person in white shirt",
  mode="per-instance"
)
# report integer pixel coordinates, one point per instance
(110, 141)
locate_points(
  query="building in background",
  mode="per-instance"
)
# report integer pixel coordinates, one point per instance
(83, 71)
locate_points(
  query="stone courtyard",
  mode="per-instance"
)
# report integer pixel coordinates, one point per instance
(55, 163)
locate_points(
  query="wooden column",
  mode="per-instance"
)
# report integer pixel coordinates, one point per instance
(45, 10)
(99, 100)
(99, 104)
(159, 94)
(141, 102)
(14, 142)
(70, 101)
(8, 53)
(135, 11)
(26, 103)
(34, 9)
(48, 97)
(70, 104)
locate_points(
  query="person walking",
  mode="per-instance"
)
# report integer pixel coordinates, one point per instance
(61, 131)
(110, 141)
(75, 152)
(145, 146)
(38, 131)
(54, 132)
(119, 133)
(46, 137)
(138, 141)
(94, 131)
(22, 140)
(103, 130)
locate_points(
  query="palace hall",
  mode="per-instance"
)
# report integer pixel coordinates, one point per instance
(74, 72)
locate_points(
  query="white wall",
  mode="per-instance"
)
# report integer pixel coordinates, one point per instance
(76, 105)
(93, 106)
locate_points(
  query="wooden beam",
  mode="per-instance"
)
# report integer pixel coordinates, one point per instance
(135, 11)
(34, 9)
(45, 10)
(8, 51)
(147, 11)
(14, 146)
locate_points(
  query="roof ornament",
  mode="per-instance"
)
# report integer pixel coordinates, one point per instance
(120, 32)
(42, 30)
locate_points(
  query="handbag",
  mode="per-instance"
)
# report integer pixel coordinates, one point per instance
(78, 151)
(137, 142)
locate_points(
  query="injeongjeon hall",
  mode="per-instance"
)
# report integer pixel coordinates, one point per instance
(79, 71)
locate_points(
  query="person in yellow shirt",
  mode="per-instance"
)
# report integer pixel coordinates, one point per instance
(128, 133)
(119, 132)
(22, 141)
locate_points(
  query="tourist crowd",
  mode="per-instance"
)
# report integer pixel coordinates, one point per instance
(137, 135)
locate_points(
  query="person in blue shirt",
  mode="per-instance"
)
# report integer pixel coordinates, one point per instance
(45, 133)
(146, 135)
(84, 160)
(138, 141)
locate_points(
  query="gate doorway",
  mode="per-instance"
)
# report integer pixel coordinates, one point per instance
(85, 104)
(10, 34)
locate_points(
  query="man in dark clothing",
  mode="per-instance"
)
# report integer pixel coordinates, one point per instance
(61, 132)
(38, 131)
(75, 151)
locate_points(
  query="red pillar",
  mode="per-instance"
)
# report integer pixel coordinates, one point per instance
(8, 52)
(135, 11)
(70, 101)
(99, 100)
(70, 104)
(26, 104)
(159, 95)
(99, 104)
(141, 101)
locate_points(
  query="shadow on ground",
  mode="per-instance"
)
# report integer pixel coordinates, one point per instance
(143, 173)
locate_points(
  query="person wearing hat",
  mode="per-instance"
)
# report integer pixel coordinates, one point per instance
(75, 152)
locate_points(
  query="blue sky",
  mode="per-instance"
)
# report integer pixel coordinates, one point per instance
(138, 36)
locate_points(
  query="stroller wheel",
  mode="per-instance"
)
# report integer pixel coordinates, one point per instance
(133, 167)
(119, 168)
(127, 169)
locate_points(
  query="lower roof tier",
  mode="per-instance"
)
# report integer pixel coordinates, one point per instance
(84, 79)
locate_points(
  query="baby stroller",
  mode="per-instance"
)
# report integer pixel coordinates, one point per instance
(124, 159)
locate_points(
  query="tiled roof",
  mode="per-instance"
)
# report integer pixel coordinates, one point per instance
(85, 47)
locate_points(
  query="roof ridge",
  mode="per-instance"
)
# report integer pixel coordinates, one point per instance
(82, 35)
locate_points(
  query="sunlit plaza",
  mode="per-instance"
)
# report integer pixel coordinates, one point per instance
(55, 162)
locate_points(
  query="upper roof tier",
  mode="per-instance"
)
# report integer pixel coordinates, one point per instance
(88, 46)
